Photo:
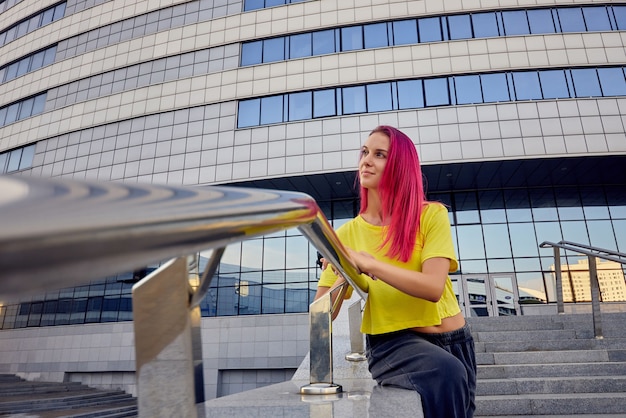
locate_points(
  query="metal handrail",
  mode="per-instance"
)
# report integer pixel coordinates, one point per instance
(59, 233)
(591, 253)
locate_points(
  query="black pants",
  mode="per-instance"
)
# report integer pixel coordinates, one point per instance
(440, 367)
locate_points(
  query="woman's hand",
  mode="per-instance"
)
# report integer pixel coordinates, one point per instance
(362, 261)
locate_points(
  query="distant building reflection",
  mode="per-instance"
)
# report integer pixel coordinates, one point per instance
(577, 284)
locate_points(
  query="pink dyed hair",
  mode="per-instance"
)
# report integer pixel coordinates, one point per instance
(401, 192)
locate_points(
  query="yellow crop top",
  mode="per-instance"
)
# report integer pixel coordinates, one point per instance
(388, 309)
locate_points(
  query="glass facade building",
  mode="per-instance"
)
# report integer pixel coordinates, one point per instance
(518, 115)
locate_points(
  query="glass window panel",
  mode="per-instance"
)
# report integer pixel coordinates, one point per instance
(470, 238)
(612, 81)
(466, 208)
(11, 33)
(27, 157)
(297, 252)
(526, 85)
(495, 88)
(324, 103)
(37, 61)
(297, 298)
(273, 254)
(12, 71)
(59, 11)
(594, 203)
(527, 264)
(252, 254)
(436, 91)
(523, 240)
(300, 45)
(273, 49)
(271, 109)
(14, 160)
(468, 89)
(379, 97)
(515, 22)
(249, 113)
(3, 114)
(575, 231)
(39, 104)
(410, 94)
(601, 234)
(571, 19)
(586, 82)
(271, 3)
(353, 100)
(253, 5)
(49, 56)
(3, 72)
(620, 16)
(473, 266)
(620, 234)
(485, 25)
(543, 205)
(26, 109)
(569, 204)
(351, 38)
(47, 17)
(22, 66)
(429, 29)
(273, 299)
(540, 21)
(497, 241)
(21, 29)
(252, 53)
(3, 162)
(553, 84)
(500, 266)
(249, 301)
(405, 32)
(491, 207)
(460, 27)
(596, 18)
(324, 42)
(227, 301)
(300, 106)
(375, 35)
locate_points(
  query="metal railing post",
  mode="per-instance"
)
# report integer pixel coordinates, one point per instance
(595, 297)
(164, 346)
(357, 343)
(560, 306)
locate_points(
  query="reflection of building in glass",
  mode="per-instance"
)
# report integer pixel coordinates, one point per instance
(577, 284)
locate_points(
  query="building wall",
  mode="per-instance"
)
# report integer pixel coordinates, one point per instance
(239, 353)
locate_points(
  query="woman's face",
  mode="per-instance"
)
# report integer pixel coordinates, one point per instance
(373, 160)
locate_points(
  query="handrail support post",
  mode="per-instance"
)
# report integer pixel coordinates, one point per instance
(595, 297)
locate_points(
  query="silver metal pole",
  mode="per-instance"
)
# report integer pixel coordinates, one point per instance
(595, 297)
(560, 307)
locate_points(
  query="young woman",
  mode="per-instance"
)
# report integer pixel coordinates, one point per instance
(416, 335)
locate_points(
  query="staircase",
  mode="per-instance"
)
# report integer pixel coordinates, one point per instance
(550, 366)
(21, 398)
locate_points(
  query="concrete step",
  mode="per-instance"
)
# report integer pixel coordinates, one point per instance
(575, 404)
(64, 402)
(548, 357)
(550, 345)
(539, 335)
(504, 371)
(554, 385)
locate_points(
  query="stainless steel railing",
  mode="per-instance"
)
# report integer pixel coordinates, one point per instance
(591, 253)
(59, 233)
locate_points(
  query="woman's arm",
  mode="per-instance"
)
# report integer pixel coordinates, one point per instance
(427, 284)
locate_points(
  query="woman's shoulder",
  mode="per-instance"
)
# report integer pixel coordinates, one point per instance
(434, 207)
